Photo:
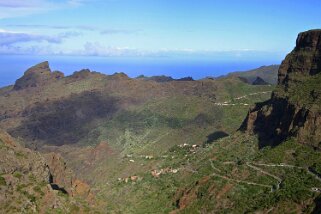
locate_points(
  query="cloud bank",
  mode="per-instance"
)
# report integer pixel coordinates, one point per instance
(8, 37)
(27, 43)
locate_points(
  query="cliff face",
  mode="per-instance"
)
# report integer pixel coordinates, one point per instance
(31, 183)
(294, 109)
(64, 179)
(305, 59)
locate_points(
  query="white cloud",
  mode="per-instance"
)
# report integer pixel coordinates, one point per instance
(26, 43)
(10, 37)
(37, 44)
(16, 8)
(97, 49)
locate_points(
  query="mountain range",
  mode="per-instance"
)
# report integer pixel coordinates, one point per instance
(96, 143)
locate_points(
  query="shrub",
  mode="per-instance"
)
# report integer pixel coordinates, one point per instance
(2, 181)
(17, 175)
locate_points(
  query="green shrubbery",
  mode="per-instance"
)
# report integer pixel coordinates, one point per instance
(17, 175)
(2, 181)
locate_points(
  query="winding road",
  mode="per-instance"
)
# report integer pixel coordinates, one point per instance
(254, 165)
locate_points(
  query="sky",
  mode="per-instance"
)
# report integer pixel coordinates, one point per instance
(214, 29)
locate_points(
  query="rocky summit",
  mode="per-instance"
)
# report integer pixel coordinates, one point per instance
(294, 109)
(304, 60)
(37, 75)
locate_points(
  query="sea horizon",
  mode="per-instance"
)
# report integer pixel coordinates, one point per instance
(13, 66)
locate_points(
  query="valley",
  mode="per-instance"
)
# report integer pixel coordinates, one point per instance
(114, 144)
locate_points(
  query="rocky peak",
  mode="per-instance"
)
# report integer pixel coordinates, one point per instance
(310, 39)
(37, 75)
(294, 109)
(41, 68)
(305, 59)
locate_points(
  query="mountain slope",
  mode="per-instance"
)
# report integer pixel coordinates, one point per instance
(267, 73)
(171, 147)
(289, 121)
(30, 183)
(105, 126)
(88, 107)
(235, 174)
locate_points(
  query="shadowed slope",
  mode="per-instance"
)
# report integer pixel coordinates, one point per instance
(66, 121)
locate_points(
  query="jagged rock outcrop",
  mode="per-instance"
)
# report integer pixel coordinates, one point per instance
(26, 182)
(37, 75)
(294, 109)
(305, 59)
(63, 178)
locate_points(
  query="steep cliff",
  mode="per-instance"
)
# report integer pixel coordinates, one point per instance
(31, 183)
(294, 109)
(64, 179)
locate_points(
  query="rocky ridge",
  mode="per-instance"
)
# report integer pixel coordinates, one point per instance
(267, 73)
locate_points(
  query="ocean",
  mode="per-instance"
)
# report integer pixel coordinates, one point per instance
(12, 67)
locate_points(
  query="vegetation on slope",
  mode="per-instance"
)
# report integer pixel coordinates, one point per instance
(267, 73)
(230, 175)
(26, 183)
(121, 133)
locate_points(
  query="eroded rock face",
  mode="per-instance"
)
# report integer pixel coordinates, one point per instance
(294, 109)
(62, 178)
(304, 59)
(36, 76)
(26, 182)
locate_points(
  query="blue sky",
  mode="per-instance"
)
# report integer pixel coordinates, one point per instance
(226, 29)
